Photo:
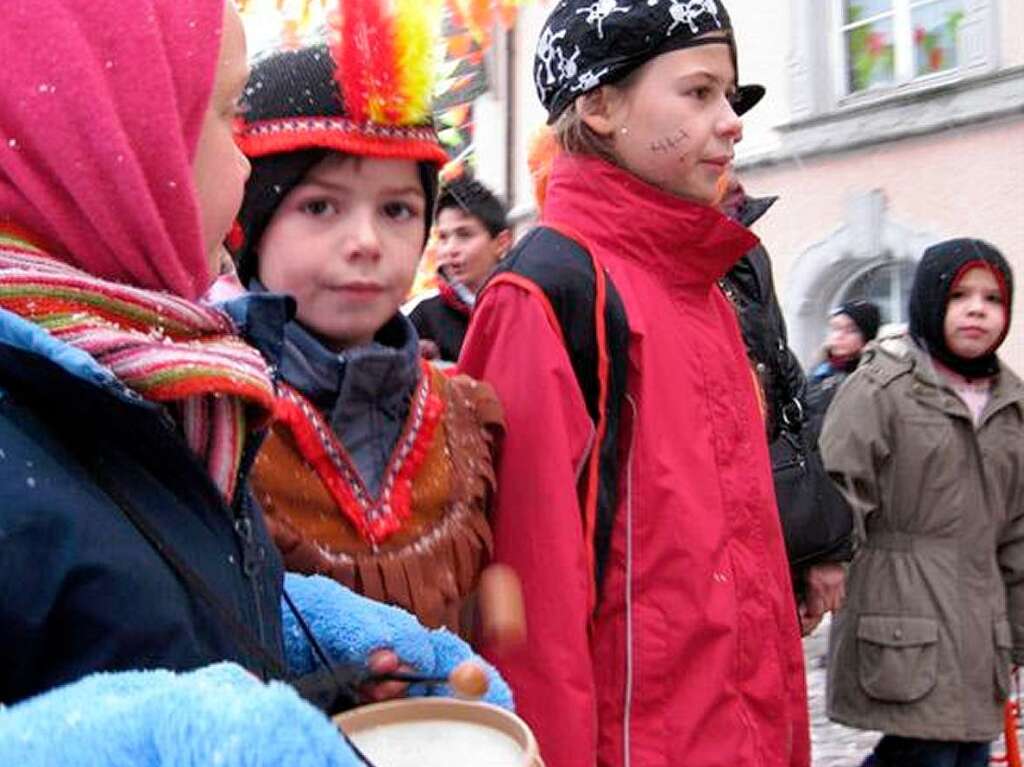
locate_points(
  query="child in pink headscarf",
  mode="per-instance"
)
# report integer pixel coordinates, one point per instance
(128, 407)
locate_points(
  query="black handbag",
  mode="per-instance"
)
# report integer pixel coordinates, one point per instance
(817, 522)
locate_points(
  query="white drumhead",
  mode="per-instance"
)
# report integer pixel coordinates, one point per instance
(438, 743)
(440, 732)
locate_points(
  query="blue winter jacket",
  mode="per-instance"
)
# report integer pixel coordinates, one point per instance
(80, 589)
(82, 593)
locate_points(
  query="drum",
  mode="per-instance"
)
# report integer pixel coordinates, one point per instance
(440, 732)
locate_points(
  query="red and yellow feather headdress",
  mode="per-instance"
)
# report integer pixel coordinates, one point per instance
(380, 55)
(385, 50)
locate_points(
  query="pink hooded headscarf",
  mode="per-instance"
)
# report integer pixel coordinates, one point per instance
(101, 106)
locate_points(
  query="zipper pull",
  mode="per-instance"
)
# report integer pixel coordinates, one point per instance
(251, 552)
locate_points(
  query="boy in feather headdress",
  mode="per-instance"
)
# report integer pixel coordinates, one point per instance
(378, 472)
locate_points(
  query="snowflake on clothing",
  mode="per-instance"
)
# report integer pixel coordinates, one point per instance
(688, 11)
(600, 10)
(546, 54)
(589, 79)
(567, 66)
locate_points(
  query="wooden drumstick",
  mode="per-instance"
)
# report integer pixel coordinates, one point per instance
(502, 615)
(467, 680)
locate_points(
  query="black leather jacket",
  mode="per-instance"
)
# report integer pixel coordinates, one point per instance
(750, 287)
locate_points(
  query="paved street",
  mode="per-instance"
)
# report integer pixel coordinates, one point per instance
(832, 745)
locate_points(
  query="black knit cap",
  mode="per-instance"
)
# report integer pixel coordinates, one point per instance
(295, 118)
(941, 266)
(865, 316)
(587, 44)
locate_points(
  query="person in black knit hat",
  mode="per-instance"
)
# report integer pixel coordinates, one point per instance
(850, 327)
(926, 440)
(378, 470)
(865, 316)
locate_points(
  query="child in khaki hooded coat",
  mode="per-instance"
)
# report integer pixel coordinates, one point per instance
(927, 440)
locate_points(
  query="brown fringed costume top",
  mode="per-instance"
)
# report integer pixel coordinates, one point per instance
(422, 542)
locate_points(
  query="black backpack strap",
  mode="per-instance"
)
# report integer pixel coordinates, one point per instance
(270, 665)
(332, 688)
(581, 297)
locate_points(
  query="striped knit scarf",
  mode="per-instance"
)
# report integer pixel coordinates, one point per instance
(167, 349)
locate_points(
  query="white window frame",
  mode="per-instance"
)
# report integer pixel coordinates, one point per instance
(895, 302)
(821, 121)
(903, 55)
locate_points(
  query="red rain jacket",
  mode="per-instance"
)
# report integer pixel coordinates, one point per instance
(693, 658)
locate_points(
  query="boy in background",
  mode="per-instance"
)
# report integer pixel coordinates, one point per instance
(472, 236)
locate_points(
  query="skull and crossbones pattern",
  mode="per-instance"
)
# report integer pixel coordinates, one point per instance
(567, 66)
(589, 80)
(588, 42)
(600, 10)
(546, 51)
(688, 11)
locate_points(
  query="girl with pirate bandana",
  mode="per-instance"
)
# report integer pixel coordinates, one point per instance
(662, 624)
(927, 440)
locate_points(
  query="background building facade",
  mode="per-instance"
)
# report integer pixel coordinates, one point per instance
(888, 125)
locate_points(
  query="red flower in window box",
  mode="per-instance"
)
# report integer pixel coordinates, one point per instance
(935, 58)
(920, 34)
(875, 43)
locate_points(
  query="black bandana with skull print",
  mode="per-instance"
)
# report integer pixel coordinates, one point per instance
(587, 44)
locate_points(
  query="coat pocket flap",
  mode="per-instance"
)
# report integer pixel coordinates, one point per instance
(897, 631)
(1004, 637)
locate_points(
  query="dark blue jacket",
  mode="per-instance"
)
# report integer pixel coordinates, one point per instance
(80, 589)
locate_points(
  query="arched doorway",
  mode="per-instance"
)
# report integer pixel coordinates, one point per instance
(869, 256)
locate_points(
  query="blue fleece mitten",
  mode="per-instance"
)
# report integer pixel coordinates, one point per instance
(350, 628)
(449, 652)
(218, 715)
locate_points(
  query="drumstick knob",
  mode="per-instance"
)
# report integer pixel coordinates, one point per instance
(502, 615)
(468, 680)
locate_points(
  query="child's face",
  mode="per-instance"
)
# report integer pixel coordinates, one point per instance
(345, 243)
(975, 315)
(844, 338)
(466, 248)
(673, 125)
(220, 169)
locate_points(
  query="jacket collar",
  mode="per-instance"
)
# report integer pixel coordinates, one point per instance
(27, 337)
(931, 386)
(1007, 390)
(752, 208)
(619, 215)
(455, 295)
(381, 374)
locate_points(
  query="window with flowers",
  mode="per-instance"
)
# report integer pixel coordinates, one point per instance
(889, 42)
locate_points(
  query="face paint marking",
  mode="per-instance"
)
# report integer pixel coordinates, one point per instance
(668, 143)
